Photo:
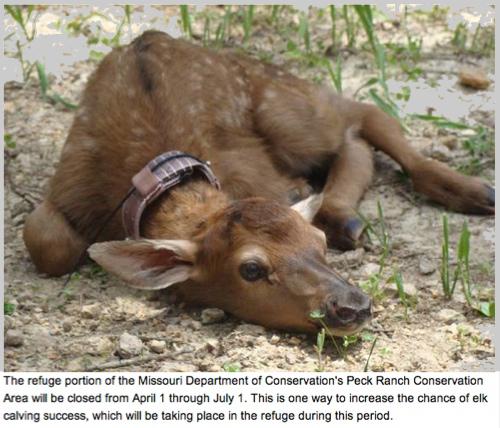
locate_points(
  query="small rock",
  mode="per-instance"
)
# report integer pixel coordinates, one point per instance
(211, 345)
(450, 141)
(250, 329)
(212, 316)
(351, 258)
(190, 323)
(274, 340)
(195, 325)
(449, 316)
(67, 326)
(13, 338)
(438, 152)
(371, 269)
(91, 311)
(475, 78)
(8, 322)
(290, 359)
(208, 365)
(295, 341)
(99, 345)
(426, 266)
(176, 366)
(157, 346)
(129, 346)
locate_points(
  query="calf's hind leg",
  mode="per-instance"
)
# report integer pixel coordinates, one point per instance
(350, 174)
(433, 179)
(54, 246)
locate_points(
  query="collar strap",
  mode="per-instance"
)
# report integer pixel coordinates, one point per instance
(159, 175)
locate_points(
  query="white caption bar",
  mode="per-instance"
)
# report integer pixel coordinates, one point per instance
(244, 399)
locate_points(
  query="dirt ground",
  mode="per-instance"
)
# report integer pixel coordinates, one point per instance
(89, 324)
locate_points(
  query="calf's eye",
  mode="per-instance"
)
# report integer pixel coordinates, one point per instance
(252, 271)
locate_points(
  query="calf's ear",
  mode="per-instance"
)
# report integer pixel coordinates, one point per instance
(309, 207)
(149, 264)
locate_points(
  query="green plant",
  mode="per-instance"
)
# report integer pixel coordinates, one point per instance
(22, 16)
(349, 340)
(9, 141)
(482, 41)
(25, 17)
(186, 21)
(224, 28)
(336, 75)
(304, 33)
(350, 26)
(248, 12)
(333, 16)
(445, 260)
(275, 11)
(403, 297)
(320, 344)
(379, 231)
(372, 287)
(462, 271)
(231, 367)
(319, 316)
(8, 308)
(52, 97)
(374, 341)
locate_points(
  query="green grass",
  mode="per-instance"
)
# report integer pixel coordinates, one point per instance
(378, 230)
(481, 42)
(319, 347)
(405, 300)
(22, 16)
(445, 260)
(231, 367)
(367, 363)
(373, 287)
(248, 12)
(51, 96)
(336, 75)
(319, 316)
(304, 33)
(462, 271)
(8, 308)
(186, 21)
(9, 141)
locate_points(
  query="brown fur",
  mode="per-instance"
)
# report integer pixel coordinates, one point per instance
(267, 134)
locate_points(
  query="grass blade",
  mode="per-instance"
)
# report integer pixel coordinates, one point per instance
(186, 21)
(445, 259)
(247, 22)
(42, 77)
(370, 354)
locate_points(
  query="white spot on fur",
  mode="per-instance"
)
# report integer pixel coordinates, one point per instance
(139, 132)
(270, 94)
(242, 102)
(262, 107)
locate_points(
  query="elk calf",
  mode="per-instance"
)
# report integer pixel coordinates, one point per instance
(273, 141)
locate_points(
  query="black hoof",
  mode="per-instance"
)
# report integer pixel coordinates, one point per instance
(353, 228)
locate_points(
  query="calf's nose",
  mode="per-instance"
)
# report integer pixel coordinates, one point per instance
(351, 306)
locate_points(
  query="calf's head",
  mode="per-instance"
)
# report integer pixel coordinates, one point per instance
(257, 259)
